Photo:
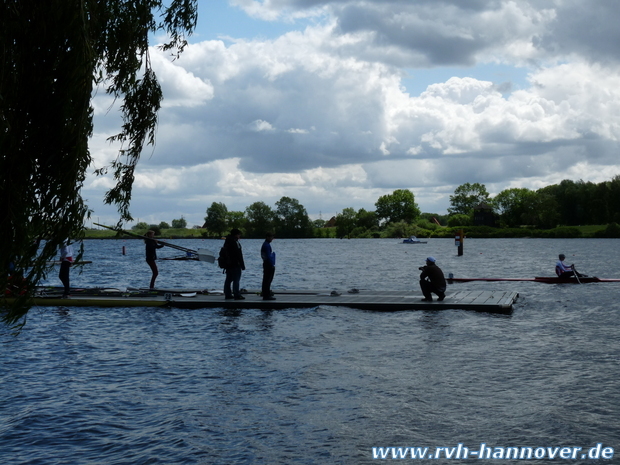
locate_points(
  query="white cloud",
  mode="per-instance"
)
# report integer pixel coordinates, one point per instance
(322, 115)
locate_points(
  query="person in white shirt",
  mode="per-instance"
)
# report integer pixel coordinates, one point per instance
(66, 259)
(563, 270)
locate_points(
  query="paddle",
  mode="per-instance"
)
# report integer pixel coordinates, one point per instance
(203, 255)
(575, 273)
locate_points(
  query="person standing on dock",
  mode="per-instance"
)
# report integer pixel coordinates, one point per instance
(269, 266)
(563, 270)
(234, 265)
(151, 246)
(66, 259)
(432, 280)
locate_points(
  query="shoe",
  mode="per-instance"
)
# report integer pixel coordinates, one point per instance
(228, 297)
(427, 300)
(239, 297)
(441, 297)
(269, 298)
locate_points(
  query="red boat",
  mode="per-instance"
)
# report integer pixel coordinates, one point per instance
(541, 279)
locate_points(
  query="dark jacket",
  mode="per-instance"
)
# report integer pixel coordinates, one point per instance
(435, 275)
(234, 253)
(151, 246)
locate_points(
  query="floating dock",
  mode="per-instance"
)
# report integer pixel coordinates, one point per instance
(482, 301)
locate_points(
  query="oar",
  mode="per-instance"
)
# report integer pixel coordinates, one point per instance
(575, 273)
(204, 255)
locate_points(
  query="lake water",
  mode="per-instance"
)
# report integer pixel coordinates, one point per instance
(324, 385)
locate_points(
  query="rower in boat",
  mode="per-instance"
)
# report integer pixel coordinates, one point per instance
(565, 271)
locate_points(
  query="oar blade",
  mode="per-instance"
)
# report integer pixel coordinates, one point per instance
(205, 255)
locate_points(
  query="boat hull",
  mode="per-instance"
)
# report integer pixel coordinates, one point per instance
(541, 279)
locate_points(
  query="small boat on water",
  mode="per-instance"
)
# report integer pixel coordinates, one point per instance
(413, 240)
(540, 279)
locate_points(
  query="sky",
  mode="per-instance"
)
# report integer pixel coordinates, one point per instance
(338, 102)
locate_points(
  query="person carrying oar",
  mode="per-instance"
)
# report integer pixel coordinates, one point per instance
(151, 246)
(565, 271)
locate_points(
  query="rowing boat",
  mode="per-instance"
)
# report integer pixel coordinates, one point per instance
(541, 279)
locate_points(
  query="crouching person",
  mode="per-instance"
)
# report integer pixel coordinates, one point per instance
(432, 281)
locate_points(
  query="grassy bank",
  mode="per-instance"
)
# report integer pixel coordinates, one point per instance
(165, 234)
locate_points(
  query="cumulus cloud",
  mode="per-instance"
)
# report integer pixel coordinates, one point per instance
(322, 113)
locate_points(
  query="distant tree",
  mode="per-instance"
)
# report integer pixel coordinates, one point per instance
(260, 219)
(181, 223)
(320, 223)
(236, 220)
(466, 197)
(292, 218)
(140, 225)
(164, 225)
(216, 218)
(398, 206)
(366, 219)
(459, 219)
(516, 206)
(155, 229)
(345, 222)
(547, 208)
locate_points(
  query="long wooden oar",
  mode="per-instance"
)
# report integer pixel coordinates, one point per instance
(203, 255)
(575, 273)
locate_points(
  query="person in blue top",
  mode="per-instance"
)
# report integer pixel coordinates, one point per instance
(269, 266)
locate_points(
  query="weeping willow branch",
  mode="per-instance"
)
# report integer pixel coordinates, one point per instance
(52, 54)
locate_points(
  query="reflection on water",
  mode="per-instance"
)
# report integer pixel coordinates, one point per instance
(322, 385)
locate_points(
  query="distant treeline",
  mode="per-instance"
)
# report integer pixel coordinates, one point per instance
(552, 211)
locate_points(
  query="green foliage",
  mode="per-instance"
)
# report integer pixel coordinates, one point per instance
(398, 206)
(155, 229)
(142, 225)
(181, 223)
(164, 225)
(291, 219)
(51, 53)
(367, 219)
(431, 217)
(427, 225)
(236, 220)
(345, 222)
(260, 219)
(459, 220)
(466, 197)
(216, 218)
(612, 230)
(398, 229)
(516, 206)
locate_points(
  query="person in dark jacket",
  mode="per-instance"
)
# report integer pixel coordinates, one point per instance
(432, 280)
(151, 246)
(234, 265)
(66, 259)
(269, 266)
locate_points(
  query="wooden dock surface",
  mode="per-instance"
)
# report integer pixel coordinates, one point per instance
(483, 301)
